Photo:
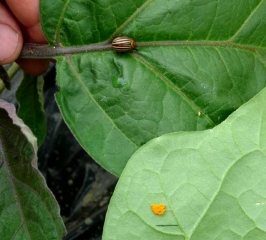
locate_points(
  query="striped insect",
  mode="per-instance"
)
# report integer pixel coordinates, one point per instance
(123, 44)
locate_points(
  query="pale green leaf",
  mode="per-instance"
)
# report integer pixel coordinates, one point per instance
(212, 182)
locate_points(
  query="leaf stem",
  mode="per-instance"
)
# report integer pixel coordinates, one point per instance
(200, 43)
(12, 71)
(43, 51)
(2, 86)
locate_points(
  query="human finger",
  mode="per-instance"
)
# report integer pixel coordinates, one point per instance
(11, 39)
(28, 14)
(31, 30)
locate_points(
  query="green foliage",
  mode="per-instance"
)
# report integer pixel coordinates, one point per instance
(212, 182)
(28, 210)
(197, 62)
(4, 78)
(30, 98)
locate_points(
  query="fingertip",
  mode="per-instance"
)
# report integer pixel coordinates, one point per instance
(34, 67)
(10, 44)
(11, 39)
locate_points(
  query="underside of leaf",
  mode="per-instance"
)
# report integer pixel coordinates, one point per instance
(211, 182)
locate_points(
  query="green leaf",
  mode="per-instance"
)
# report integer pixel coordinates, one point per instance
(30, 98)
(212, 182)
(28, 210)
(5, 78)
(197, 62)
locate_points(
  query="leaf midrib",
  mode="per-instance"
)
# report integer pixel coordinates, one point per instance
(60, 21)
(103, 46)
(130, 19)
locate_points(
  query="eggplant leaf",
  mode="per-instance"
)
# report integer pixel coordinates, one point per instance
(28, 210)
(212, 183)
(196, 62)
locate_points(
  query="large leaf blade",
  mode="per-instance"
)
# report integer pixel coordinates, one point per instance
(212, 183)
(192, 69)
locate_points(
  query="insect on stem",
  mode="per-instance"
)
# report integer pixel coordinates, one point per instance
(123, 44)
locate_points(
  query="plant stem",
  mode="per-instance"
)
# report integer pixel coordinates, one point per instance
(2, 86)
(42, 51)
(12, 71)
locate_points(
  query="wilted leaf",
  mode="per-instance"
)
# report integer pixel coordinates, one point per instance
(197, 61)
(212, 182)
(28, 209)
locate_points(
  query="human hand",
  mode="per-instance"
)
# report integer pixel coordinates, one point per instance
(20, 22)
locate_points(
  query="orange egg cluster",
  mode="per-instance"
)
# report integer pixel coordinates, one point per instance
(158, 209)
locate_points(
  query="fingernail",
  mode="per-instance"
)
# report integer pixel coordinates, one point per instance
(8, 41)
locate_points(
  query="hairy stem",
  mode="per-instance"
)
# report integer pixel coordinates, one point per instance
(42, 51)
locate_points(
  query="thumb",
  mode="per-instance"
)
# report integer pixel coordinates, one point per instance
(10, 37)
